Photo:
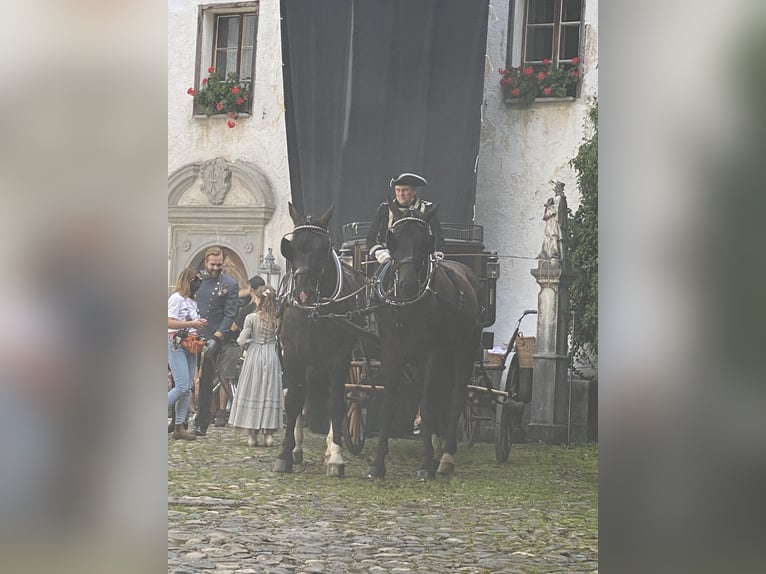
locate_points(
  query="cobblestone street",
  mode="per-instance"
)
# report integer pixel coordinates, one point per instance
(228, 513)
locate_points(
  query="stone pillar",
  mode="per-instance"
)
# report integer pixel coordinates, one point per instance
(550, 404)
(550, 386)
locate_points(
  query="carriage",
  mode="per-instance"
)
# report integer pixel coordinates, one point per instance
(422, 314)
(500, 384)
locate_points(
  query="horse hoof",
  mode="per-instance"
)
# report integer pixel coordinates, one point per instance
(338, 470)
(446, 469)
(425, 475)
(373, 472)
(283, 465)
(298, 456)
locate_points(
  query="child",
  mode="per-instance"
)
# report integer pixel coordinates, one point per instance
(258, 402)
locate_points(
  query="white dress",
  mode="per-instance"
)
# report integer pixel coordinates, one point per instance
(258, 401)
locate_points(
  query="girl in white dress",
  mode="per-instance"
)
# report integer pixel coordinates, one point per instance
(257, 405)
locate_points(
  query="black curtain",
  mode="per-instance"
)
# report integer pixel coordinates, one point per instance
(374, 88)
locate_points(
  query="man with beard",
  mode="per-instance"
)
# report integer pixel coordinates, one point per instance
(218, 301)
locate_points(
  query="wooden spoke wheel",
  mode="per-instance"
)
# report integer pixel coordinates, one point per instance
(468, 424)
(503, 426)
(353, 427)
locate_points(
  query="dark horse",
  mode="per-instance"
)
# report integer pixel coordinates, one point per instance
(429, 319)
(315, 330)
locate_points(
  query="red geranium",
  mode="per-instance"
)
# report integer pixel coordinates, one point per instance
(211, 70)
(547, 91)
(204, 81)
(240, 101)
(515, 92)
(191, 92)
(231, 124)
(235, 90)
(219, 106)
(528, 71)
(576, 60)
(546, 61)
(540, 76)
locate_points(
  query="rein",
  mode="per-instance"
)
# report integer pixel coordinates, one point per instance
(433, 263)
(323, 301)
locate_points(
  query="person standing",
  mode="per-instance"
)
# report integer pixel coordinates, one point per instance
(247, 305)
(182, 314)
(218, 302)
(405, 189)
(258, 403)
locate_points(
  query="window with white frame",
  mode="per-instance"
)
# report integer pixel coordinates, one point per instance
(226, 43)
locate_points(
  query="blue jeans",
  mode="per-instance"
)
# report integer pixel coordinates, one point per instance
(182, 366)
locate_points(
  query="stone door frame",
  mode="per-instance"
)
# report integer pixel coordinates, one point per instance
(195, 226)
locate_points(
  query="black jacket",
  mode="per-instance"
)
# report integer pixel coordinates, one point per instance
(376, 238)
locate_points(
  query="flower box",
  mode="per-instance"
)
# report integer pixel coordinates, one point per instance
(541, 82)
(545, 100)
(228, 97)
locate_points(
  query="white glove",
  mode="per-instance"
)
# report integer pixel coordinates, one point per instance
(382, 255)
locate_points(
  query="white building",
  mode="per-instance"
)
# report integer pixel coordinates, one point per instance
(230, 186)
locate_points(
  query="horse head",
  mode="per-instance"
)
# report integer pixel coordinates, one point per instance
(411, 244)
(308, 249)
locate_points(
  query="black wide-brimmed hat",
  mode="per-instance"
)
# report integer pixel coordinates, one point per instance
(411, 179)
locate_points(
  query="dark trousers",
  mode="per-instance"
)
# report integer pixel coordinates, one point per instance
(206, 383)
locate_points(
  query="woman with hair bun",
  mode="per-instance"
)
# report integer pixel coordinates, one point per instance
(257, 405)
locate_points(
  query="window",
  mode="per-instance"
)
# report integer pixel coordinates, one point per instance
(544, 30)
(227, 41)
(235, 44)
(552, 31)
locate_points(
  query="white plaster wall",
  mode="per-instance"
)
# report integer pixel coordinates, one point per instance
(259, 139)
(522, 149)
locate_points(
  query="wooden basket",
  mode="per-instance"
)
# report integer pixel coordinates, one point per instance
(525, 348)
(494, 359)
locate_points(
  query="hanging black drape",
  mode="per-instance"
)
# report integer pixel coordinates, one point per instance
(374, 88)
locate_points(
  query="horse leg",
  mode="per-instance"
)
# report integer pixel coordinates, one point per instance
(463, 363)
(337, 407)
(295, 376)
(391, 373)
(428, 422)
(298, 435)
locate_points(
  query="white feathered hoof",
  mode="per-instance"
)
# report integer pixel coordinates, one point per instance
(283, 465)
(446, 468)
(373, 472)
(424, 475)
(336, 470)
(298, 456)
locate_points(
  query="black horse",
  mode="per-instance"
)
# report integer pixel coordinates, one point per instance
(429, 320)
(318, 299)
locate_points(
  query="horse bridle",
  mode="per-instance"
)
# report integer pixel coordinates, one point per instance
(294, 272)
(433, 259)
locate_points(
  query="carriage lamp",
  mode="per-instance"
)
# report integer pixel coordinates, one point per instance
(269, 268)
(493, 266)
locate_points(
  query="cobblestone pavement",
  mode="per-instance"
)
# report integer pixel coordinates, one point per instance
(229, 514)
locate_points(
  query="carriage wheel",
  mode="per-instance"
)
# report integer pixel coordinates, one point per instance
(503, 427)
(353, 427)
(467, 425)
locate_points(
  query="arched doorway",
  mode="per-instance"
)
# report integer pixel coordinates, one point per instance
(218, 202)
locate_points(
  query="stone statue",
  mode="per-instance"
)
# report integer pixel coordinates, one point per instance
(551, 242)
(562, 216)
(556, 226)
